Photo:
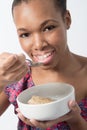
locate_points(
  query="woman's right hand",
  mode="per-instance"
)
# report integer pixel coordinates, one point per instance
(12, 68)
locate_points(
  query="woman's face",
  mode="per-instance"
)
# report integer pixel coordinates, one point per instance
(42, 31)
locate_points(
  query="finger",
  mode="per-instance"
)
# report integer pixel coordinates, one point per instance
(13, 60)
(37, 124)
(43, 124)
(4, 55)
(74, 106)
(25, 120)
(17, 67)
(16, 76)
(21, 57)
(20, 63)
(8, 62)
(17, 110)
(21, 74)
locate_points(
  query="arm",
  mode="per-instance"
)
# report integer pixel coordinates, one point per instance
(4, 103)
(77, 121)
(81, 124)
(12, 68)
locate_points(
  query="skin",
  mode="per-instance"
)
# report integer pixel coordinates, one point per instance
(42, 30)
(12, 69)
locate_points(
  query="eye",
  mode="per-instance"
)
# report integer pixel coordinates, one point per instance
(49, 28)
(24, 35)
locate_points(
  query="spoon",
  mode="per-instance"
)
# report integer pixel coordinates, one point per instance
(34, 64)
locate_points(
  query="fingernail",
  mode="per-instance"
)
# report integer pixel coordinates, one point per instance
(73, 103)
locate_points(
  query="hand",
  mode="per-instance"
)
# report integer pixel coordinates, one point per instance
(72, 116)
(12, 68)
(25, 120)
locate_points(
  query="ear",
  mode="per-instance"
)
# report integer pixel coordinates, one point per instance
(67, 19)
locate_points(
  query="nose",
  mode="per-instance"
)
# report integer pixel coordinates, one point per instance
(39, 42)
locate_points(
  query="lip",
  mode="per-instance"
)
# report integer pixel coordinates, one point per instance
(41, 53)
(44, 58)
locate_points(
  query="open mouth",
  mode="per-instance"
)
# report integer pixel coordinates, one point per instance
(45, 58)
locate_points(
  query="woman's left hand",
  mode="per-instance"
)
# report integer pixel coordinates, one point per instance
(70, 117)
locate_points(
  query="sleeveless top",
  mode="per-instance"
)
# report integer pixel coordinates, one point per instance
(15, 89)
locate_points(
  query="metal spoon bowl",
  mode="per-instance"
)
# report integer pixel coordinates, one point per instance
(34, 64)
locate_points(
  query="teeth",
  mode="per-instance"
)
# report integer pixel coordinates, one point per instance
(44, 56)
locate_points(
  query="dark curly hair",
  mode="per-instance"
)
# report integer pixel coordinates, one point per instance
(59, 4)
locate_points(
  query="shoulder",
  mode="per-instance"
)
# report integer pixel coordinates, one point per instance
(82, 60)
(82, 72)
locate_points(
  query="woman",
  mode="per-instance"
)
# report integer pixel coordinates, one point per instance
(42, 31)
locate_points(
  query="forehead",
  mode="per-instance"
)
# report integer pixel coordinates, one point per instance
(34, 2)
(34, 10)
(34, 5)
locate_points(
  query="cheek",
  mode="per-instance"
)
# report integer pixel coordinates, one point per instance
(25, 46)
(58, 38)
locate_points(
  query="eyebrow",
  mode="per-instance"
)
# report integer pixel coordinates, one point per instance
(47, 21)
(21, 29)
(43, 24)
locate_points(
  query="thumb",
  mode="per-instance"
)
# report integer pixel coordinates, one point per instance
(74, 106)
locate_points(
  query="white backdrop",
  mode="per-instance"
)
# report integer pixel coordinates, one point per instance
(77, 40)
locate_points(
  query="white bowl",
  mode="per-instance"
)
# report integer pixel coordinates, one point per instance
(61, 92)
